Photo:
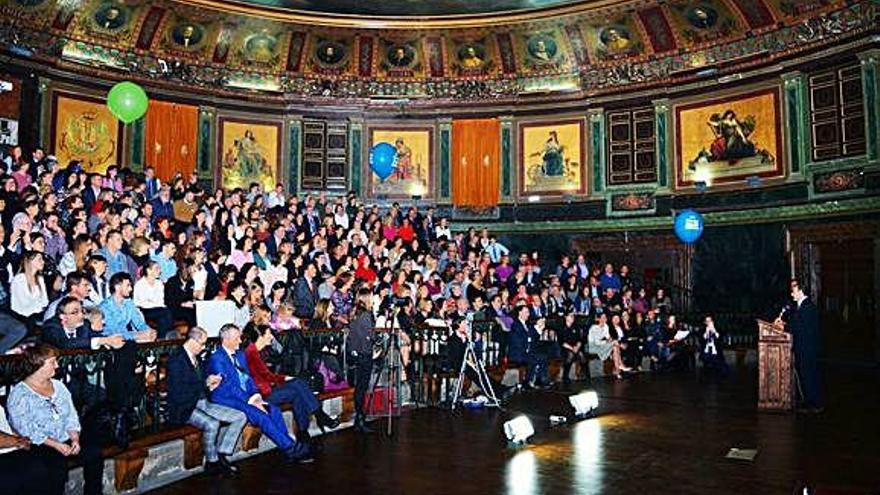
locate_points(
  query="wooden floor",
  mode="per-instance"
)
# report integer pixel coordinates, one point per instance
(654, 435)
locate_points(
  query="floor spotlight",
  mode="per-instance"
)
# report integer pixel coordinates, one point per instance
(518, 430)
(584, 403)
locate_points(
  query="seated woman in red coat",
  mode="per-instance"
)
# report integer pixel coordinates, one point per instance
(277, 389)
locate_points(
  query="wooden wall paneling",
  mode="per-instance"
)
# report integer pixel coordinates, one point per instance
(337, 156)
(314, 154)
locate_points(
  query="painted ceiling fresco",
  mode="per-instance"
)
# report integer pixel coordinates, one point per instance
(396, 8)
(633, 42)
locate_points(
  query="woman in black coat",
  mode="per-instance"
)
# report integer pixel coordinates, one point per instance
(359, 346)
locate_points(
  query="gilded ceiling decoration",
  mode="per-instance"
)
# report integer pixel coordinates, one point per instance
(605, 45)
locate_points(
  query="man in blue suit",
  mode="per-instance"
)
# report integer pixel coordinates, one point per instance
(188, 388)
(238, 391)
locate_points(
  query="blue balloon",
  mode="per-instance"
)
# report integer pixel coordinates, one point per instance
(383, 159)
(689, 226)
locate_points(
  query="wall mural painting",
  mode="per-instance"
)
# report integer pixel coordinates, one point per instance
(412, 174)
(111, 16)
(728, 139)
(552, 157)
(400, 58)
(186, 35)
(110, 20)
(702, 22)
(249, 152)
(84, 129)
(615, 40)
(224, 43)
(543, 51)
(471, 57)
(331, 56)
(258, 47)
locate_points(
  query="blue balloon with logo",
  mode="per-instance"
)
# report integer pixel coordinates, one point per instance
(689, 226)
(383, 160)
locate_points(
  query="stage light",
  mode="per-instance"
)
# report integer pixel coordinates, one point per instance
(518, 430)
(584, 403)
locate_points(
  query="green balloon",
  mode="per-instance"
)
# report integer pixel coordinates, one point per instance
(127, 101)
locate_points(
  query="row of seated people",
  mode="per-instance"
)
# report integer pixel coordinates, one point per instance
(42, 428)
(615, 337)
(236, 387)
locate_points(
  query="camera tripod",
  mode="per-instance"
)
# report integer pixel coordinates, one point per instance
(471, 359)
(392, 364)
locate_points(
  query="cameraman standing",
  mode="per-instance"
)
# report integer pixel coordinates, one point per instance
(359, 346)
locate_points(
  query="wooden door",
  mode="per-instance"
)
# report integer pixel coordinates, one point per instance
(846, 298)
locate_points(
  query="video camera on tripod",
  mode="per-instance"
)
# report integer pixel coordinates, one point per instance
(476, 362)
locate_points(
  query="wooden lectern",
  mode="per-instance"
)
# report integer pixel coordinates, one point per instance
(774, 368)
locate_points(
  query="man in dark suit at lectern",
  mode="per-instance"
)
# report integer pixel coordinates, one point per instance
(803, 324)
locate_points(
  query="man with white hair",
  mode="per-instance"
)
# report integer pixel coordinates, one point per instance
(238, 391)
(188, 388)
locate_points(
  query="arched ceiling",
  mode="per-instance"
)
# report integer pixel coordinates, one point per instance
(574, 46)
(405, 8)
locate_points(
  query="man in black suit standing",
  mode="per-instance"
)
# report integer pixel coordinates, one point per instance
(525, 348)
(804, 327)
(188, 404)
(305, 292)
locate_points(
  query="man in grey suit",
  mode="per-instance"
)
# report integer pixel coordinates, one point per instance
(188, 404)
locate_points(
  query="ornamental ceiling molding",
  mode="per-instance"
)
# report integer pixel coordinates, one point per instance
(396, 22)
(257, 54)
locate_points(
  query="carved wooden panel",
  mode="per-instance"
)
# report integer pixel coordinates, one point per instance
(631, 148)
(837, 119)
(325, 155)
(774, 368)
(337, 156)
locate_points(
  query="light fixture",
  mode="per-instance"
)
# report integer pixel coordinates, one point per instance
(534, 198)
(753, 181)
(584, 403)
(700, 186)
(518, 430)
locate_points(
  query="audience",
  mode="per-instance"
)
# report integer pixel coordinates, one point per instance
(188, 389)
(279, 389)
(145, 253)
(238, 391)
